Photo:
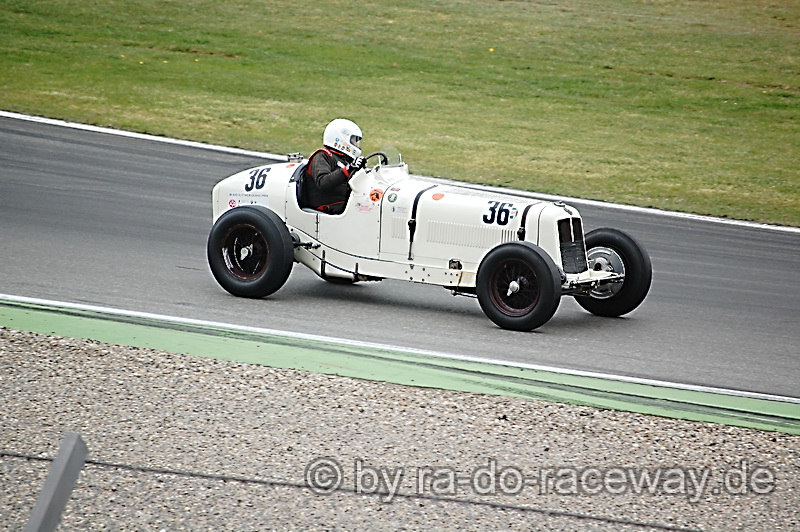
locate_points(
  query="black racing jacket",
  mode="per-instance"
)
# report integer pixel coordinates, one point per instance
(325, 185)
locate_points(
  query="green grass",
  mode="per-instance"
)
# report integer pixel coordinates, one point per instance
(690, 105)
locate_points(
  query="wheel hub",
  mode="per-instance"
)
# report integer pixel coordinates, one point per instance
(607, 260)
(245, 252)
(513, 288)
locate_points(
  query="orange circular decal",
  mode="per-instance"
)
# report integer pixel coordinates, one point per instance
(375, 194)
(438, 196)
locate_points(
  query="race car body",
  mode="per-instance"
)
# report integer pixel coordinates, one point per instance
(517, 255)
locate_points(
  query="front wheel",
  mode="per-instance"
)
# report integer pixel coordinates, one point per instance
(616, 251)
(518, 286)
(250, 252)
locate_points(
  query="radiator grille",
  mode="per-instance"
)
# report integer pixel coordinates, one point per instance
(573, 247)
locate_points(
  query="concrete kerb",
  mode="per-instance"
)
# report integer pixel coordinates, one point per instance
(395, 365)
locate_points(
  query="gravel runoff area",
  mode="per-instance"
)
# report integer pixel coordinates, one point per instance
(180, 442)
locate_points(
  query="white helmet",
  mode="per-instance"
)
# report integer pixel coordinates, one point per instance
(344, 136)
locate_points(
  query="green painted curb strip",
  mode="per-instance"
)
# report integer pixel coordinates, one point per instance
(382, 364)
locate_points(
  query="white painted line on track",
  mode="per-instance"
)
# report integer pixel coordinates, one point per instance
(372, 345)
(524, 193)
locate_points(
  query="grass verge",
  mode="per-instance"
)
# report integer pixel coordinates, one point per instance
(676, 104)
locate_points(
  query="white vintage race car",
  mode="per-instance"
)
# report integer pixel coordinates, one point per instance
(517, 255)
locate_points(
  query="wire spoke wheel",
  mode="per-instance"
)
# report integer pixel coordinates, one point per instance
(518, 286)
(514, 288)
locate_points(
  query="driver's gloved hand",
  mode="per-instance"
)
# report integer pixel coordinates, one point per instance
(357, 164)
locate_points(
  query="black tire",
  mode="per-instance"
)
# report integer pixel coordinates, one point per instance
(250, 251)
(614, 250)
(518, 286)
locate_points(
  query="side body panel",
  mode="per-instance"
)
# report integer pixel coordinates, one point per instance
(263, 185)
(461, 224)
(399, 227)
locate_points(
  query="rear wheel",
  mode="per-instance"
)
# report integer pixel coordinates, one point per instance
(250, 252)
(616, 251)
(518, 286)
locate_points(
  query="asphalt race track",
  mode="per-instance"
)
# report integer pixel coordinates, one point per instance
(120, 222)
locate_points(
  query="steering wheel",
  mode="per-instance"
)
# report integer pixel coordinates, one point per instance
(384, 157)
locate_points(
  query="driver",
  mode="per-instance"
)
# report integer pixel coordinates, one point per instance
(329, 168)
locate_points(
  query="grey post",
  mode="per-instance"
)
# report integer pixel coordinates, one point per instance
(58, 485)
